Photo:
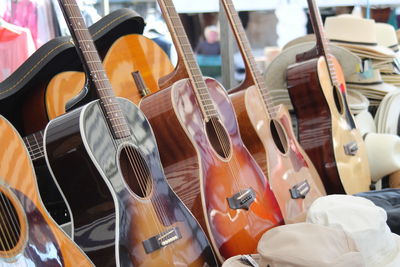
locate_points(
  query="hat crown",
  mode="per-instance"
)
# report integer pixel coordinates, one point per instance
(360, 219)
(358, 30)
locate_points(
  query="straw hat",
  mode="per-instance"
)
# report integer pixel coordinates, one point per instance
(359, 35)
(387, 115)
(365, 122)
(302, 245)
(383, 152)
(386, 36)
(361, 219)
(370, 84)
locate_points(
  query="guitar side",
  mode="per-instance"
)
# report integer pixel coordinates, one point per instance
(111, 219)
(203, 179)
(285, 167)
(40, 241)
(324, 129)
(127, 54)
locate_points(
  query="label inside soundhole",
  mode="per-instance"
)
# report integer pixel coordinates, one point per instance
(135, 171)
(13, 228)
(218, 137)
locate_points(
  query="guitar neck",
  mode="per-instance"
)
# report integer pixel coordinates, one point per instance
(245, 49)
(186, 54)
(34, 144)
(322, 42)
(92, 62)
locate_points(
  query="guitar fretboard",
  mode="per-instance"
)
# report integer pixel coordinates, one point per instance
(322, 42)
(186, 54)
(91, 60)
(34, 144)
(250, 62)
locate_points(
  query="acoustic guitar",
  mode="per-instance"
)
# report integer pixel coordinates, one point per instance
(267, 132)
(128, 54)
(104, 158)
(28, 235)
(326, 127)
(204, 158)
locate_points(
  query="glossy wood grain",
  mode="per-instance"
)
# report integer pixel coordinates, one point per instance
(111, 221)
(127, 54)
(283, 169)
(204, 180)
(323, 130)
(45, 244)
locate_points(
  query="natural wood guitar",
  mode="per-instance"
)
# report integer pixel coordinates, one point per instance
(327, 130)
(28, 235)
(204, 157)
(105, 160)
(266, 130)
(128, 54)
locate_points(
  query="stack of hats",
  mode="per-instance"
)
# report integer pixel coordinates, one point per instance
(386, 36)
(370, 84)
(359, 36)
(340, 231)
(376, 44)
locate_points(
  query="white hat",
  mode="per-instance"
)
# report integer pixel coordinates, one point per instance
(383, 152)
(386, 36)
(359, 35)
(302, 245)
(365, 122)
(387, 115)
(357, 101)
(361, 219)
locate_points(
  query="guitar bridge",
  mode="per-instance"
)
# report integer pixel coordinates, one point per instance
(242, 199)
(161, 240)
(300, 190)
(351, 148)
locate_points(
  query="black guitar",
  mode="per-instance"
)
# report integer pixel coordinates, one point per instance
(105, 160)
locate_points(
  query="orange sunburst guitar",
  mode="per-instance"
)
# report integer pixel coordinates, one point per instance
(28, 235)
(130, 53)
(327, 131)
(267, 131)
(204, 157)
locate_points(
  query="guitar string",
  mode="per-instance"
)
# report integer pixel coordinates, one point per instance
(7, 237)
(11, 220)
(170, 15)
(138, 175)
(131, 155)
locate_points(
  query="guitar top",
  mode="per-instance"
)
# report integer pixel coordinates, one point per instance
(327, 130)
(28, 235)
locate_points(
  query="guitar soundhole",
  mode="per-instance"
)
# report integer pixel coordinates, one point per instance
(279, 136)
(337, 95)
(11, 228)
(135, 171)
(218, 137)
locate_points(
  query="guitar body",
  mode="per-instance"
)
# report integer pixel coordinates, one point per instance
(326, 126)
(129, 53)
(203, 178)
(29, 236)
(116, 207)
(283, 160)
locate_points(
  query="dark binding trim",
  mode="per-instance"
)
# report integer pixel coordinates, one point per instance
(354, 43)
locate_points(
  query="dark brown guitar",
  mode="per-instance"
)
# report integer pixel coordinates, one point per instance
(327, 131)
(105, 160)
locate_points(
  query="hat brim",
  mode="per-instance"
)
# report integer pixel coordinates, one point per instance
(372, 50)
(235, 261)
